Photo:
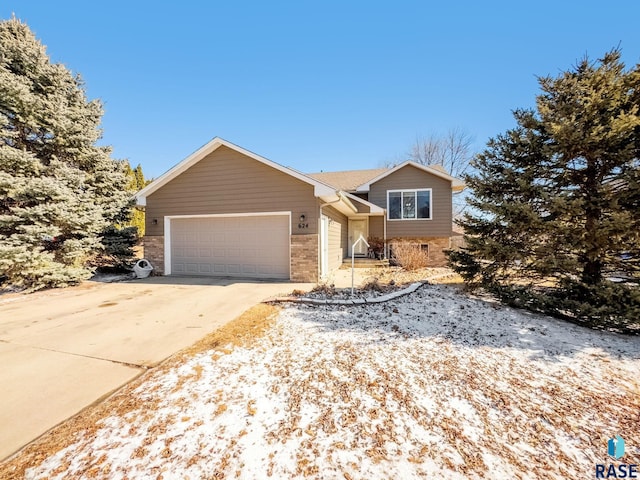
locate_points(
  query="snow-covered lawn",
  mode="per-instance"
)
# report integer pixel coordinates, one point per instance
(431, 385)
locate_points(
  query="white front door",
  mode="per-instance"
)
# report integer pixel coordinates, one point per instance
(357, 228)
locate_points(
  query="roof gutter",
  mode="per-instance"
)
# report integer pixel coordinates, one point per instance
(345, 199)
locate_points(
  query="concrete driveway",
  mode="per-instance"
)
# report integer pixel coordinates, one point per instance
(62, 350)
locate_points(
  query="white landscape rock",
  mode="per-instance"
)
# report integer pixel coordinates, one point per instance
(430, 385)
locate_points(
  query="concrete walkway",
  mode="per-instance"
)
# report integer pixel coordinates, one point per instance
(64, 349)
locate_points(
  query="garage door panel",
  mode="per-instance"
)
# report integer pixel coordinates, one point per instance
(250, 254)
(250, 269)
(247, 246)
(191, 268)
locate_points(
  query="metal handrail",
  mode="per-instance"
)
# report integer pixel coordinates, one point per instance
(353, 261)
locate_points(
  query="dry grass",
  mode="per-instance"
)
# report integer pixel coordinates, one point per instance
(410, 256)
(242, 331)
(400, 276)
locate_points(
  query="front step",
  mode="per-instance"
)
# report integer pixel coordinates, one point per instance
(364, 262)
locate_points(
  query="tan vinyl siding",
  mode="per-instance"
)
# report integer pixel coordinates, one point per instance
(338, 232)
(228, 182)
(362, 208)
(376, 227)
(410, 177)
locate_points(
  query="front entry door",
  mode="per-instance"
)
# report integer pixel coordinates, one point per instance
(357, 228)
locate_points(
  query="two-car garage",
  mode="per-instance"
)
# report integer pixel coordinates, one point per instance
(226, 212)
(242, 245)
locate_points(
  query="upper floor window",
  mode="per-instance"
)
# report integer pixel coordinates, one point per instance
(409, 204)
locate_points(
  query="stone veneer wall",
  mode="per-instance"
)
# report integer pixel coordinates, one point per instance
(437, 245)
(304, 258)
(154, 252)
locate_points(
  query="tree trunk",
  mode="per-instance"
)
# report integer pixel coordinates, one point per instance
(592, 272)
(592, 268)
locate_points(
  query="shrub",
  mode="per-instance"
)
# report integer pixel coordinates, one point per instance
(372, 285)
(325, 289)
(118, 246)
(410, 256)
(607, 305)
(376, 245)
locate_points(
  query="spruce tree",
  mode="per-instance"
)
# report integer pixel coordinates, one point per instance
(136, 182)
(557, 198)
(58, 190)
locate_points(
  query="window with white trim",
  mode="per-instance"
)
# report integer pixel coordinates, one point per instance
(409, 204)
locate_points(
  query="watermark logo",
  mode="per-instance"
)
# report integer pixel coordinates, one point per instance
(616, 447)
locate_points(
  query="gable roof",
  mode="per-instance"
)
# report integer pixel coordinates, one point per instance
(457, 185)
(347, 180)
(439, 168)
(373, 209)
(321, 189)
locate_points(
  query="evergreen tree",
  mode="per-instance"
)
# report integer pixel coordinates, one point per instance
(135, 182)
(58, 190)
(140, 180)
(558, 197)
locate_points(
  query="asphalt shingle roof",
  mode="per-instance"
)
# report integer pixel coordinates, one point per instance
(347, 180)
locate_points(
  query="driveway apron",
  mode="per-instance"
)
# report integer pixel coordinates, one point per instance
(62, 350)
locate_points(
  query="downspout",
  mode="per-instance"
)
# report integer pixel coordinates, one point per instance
(384, 223)
(322, 205)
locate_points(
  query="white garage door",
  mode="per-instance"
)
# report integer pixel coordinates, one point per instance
(247, 246)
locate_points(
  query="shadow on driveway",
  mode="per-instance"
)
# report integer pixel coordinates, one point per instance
(202, 280)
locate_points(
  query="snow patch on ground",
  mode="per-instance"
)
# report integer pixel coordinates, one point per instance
(112, 277)
(431, 385)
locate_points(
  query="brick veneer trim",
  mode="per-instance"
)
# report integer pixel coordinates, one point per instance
(304, 258)
(154, 252)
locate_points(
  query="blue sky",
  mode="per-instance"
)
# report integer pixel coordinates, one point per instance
(316, 85)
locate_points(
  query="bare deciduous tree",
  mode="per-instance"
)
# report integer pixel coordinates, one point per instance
(452, 151)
